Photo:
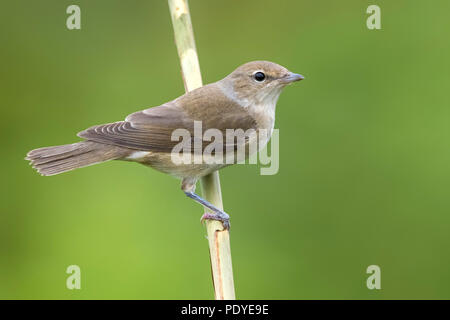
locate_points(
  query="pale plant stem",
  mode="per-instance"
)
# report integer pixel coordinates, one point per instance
(218, 238)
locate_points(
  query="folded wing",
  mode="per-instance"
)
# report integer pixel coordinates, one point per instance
(151, 129)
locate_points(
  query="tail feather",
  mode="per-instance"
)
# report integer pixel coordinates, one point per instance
(49, 161)
(49, 154)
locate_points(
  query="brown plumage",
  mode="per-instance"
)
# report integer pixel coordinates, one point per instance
(245, 99)
(53, 160)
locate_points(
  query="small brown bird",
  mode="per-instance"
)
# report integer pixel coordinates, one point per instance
(245, 99)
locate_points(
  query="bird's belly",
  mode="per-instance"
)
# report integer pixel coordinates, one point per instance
(163, 162)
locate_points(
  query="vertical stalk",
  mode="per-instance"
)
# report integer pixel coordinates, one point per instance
(218, 238)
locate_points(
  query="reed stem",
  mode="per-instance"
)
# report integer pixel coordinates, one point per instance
(218, 238)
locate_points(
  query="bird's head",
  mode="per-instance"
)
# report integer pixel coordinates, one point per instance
(259, 82)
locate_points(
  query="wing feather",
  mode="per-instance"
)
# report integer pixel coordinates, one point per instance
(151, 129)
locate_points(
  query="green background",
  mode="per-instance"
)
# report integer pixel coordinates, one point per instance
(364, 152)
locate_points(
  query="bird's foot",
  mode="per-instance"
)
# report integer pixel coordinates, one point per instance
(219, 216)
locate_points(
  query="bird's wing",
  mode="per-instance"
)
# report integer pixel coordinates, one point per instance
(151, 129)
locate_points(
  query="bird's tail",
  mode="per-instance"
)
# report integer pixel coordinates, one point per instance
(53, 160)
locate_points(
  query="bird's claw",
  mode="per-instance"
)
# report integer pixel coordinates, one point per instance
(224, 218)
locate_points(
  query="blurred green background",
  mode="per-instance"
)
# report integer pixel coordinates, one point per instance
(364, 158)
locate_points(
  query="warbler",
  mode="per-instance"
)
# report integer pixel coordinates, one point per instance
(245, 100)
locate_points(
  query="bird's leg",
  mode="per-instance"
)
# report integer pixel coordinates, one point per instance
(216, 214)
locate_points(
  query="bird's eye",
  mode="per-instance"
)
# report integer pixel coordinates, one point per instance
(259, 76)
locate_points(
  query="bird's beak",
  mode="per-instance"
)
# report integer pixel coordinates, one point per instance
(292, 77)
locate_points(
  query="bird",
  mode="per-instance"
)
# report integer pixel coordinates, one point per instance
(245, 99)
